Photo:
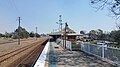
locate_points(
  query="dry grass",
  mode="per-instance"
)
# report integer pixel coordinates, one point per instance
(8, 47)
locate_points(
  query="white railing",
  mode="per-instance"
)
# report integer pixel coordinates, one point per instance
(68, 45)
(62, 42)
(106, 53)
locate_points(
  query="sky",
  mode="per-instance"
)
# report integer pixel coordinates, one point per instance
(45, 13)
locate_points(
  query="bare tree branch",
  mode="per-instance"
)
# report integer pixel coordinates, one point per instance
(112, 5)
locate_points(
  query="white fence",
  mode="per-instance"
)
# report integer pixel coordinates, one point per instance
(62, 42)
(106, 53)
(68, 45)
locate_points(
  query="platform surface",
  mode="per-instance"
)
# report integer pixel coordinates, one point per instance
(58, 57)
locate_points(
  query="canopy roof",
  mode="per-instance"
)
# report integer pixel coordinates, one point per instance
(68, 30)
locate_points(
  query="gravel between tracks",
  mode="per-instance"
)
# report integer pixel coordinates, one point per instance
(6, 48)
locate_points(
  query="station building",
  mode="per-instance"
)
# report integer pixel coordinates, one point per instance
(70, 34)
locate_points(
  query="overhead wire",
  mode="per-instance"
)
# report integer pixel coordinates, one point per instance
(13, 4)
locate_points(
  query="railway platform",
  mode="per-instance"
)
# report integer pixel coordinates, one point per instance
(59, 57)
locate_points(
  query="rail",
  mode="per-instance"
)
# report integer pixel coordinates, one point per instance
(13, 53)
(32, 57)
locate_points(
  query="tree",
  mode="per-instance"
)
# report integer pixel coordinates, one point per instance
(0, 35)
(32, 34)
(100, 34)
(100, 31)
(106, 36)
(23, 33)
(8, 35)
(82, 32)
(93, 34)
(37, 35)
(3, 35)
(115, 35)
(113, 5)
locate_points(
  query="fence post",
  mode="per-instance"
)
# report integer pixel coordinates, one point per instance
(103, 53)
(89, 48)
(70, 46)
(62, 42)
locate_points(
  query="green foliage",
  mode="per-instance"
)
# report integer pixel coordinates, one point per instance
(0, 35)
(37, 35)
(32, 34)
(3, 35)
(115, 35)
(93, 42)
(99, 35)
(93, 34)
(112, 5)
(75, 46)
(113, 45)
(8, 35)
(23, 33)
(82, 32)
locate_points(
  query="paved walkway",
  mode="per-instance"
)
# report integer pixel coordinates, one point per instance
(58, 57)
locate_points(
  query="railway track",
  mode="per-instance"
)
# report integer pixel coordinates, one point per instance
(4, 58)
(30, 60)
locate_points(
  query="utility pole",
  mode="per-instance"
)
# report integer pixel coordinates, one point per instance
(19, 18)
(36, 33)
(66, 25)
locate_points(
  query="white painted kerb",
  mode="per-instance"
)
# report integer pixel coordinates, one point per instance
(41, 60)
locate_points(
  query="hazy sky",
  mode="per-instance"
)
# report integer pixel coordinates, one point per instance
(45, 13)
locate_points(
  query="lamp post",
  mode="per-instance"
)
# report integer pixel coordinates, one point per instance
(60, 23)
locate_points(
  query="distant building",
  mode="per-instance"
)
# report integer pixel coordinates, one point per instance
(70, 34)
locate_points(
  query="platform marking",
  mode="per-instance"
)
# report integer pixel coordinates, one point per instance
(41, 60)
